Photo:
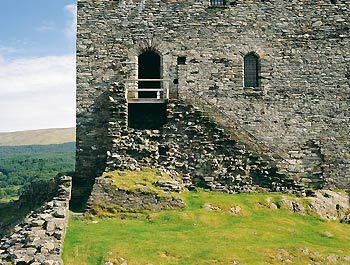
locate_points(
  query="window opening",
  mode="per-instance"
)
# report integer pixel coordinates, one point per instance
(217, 2)
(181, 60)
(251, 70)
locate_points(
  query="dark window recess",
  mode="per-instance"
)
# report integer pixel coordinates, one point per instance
(333, 2)
(176, 81)
(149, 68)
(251, 70)
(181, 60)
(217, 2)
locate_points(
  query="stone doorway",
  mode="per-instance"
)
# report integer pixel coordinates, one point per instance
(149, 67)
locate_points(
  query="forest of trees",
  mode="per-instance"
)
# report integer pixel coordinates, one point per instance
(21, 165)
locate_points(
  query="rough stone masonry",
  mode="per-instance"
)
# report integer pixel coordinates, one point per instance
(299, 110)
(39, 238)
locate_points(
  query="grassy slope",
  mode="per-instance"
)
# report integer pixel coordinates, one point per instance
(196, 235)
(38, 137)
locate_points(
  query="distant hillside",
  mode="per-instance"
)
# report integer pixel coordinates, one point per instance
(21, 165)
(38, 137)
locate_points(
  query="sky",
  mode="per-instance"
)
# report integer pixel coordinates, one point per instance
(37, 64)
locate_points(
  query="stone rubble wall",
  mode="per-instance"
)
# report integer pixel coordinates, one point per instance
(31, 198)
(190, 144)
(39, 238)
(304, 52)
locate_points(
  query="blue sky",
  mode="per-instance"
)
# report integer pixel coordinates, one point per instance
(35, 28)
(37, 64)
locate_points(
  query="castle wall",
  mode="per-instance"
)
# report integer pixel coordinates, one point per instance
(300, 110)
(39, 238)
(193, 146)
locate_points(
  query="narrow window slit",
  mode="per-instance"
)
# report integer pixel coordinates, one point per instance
(251, 70)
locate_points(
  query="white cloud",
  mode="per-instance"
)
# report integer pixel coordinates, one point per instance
(8, 50)
(46, 27)
(71, 27)
(37, 93)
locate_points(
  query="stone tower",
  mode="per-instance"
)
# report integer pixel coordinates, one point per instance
(271, 76)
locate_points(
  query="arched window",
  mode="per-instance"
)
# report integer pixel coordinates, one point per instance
(251, 70)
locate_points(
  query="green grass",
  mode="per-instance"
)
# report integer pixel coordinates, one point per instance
(144, 180)
(196, 235)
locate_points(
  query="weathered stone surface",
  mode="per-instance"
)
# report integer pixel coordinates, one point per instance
(114, 199)
(211, 207)
(39, 238)
(38, 223)
(190, 144)
(284, 257)
(59, 213)
(299, 111)
(236, 210)
(328, 205)
(50, 226)
(346, 219)
(293, 206)
(47, 247)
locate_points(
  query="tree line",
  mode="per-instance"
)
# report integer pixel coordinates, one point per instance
(21, 165)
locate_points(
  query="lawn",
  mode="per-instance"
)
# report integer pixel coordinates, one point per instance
(205, 232)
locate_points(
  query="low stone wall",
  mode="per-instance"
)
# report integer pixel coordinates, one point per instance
(31, 198)
(39, 238)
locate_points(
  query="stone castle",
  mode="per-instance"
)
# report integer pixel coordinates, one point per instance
(233, 95)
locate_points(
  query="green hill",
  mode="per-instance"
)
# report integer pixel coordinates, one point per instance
(21, 165)
(38, 137)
